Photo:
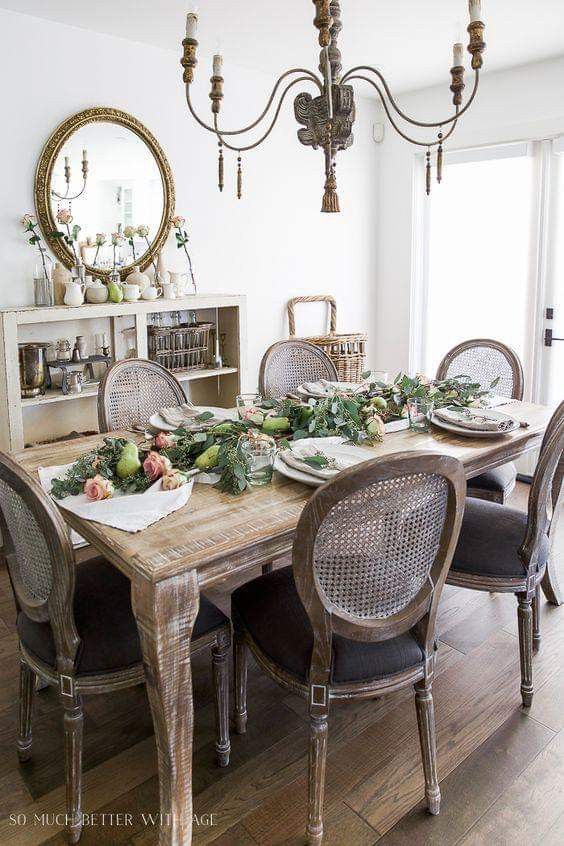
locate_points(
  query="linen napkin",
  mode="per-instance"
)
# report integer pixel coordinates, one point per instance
(328, 447)
(129, 512)
(466, 419)
(179, 415)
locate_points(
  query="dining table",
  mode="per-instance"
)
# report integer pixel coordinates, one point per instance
(216, 537)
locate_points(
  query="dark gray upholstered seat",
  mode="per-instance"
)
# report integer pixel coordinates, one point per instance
(104, 621)
(490, 538)
(274, 616)
(501, 479)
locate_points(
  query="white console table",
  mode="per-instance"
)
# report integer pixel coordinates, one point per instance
(207, 387)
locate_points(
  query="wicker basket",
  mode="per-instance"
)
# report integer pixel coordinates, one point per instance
(347, 352)
(180, 347)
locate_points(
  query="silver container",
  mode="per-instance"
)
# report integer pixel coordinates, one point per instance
(33, 370)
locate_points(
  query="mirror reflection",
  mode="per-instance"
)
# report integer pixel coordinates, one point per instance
(106, 196)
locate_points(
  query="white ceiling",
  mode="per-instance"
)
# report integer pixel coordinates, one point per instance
(409, 40)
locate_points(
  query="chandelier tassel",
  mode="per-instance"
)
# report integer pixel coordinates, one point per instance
(428, 172)
(239, 178)
(220, 168)
(440, 159)
(330, 202)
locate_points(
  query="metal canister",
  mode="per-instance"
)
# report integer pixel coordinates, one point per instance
(33, 370)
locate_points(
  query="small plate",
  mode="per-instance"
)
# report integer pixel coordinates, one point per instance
(157, 422)
(476, 433)
(314, 481)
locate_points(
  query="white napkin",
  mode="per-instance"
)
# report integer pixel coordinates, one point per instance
(466, 419)
(308, 447)
(129, 512)
(179, 414)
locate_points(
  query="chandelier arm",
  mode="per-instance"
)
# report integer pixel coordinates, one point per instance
(455, 117)
(305, 75)
(395, 125)
(248, 147)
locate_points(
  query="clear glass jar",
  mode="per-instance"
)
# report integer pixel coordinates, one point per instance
(42, 285)
(260, 452)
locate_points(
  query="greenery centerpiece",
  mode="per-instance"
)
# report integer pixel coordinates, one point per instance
(357, 414)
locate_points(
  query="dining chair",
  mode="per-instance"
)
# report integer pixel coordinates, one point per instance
(484, 360)
(134, 389)
(287, 364)
(354, 617)
(76, 627)
(503, 550)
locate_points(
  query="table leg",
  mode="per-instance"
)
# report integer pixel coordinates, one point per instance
(165, 614)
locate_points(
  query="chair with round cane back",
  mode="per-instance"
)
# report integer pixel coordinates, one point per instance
(503, 550)
(354, 617)
(134, 389)
(484, 360)
(287, 364)
(76, 627)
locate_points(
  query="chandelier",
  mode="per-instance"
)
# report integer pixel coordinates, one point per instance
(327, 119)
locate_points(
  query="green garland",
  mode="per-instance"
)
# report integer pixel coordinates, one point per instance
(357, 416)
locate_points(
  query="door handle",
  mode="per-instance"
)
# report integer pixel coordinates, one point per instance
(549, 338)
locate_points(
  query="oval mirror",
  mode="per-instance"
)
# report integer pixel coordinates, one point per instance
(104, 192)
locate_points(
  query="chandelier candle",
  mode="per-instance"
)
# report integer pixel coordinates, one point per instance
(327, 116)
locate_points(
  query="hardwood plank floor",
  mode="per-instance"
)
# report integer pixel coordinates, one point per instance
(501, 769)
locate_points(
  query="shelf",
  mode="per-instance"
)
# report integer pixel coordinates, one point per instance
(89, 391)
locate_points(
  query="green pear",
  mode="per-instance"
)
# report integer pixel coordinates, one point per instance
(129, 463)
(115, 292)
(208, 459)
(275, 425)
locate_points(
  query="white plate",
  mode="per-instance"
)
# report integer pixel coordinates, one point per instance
(349, 387)
(157, 422)
(476, 433)
(315, 481)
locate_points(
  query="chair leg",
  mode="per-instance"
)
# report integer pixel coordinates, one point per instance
(536, 619)
(73, 723)
(220, 654)
(27, 695)
(267, 568)
(318, 730)
(427, 736)
(525, 620)
(240, 661)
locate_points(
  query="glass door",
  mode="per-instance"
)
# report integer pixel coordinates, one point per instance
(551, 388)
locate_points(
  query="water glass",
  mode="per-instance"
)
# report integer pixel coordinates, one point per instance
(419, 410)
(260, 451)
(245, 402)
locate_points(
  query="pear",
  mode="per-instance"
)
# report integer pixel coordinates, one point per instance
(129, 463)
(208, 459)
(275, 425)
(115, 292)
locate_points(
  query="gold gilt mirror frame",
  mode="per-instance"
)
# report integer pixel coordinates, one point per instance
(44, 172)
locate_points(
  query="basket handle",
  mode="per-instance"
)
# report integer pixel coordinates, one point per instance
(321, 298)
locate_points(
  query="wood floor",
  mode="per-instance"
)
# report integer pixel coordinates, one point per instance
(501, 769)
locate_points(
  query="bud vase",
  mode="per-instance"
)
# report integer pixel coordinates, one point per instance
(42, 286)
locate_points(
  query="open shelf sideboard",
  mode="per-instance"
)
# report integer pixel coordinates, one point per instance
(210, 386)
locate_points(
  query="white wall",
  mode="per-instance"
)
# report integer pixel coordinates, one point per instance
(272, 245)
(524, 103)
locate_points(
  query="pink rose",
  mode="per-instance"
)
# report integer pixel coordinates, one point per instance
(27, 219)
(178, 221)
(173, 480)
(156, 465)
(98, 488)
(64, 216)
(164, 440)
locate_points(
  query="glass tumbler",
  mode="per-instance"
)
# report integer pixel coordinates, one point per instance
(260, 451)
(419, 410)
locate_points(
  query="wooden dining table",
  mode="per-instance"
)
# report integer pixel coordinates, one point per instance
(214, 538)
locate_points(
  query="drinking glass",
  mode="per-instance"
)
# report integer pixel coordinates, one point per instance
(419, 410)
(245, 402)
(260, 451)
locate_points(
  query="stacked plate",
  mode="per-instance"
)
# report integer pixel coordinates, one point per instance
(323, 389)
(474, 422)
(314, 461)
(168, 420)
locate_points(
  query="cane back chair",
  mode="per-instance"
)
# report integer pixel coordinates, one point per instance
(134, 389)
(76, 627)
(355, 615)
(286, 364)
(484, 360)
(502, 550)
